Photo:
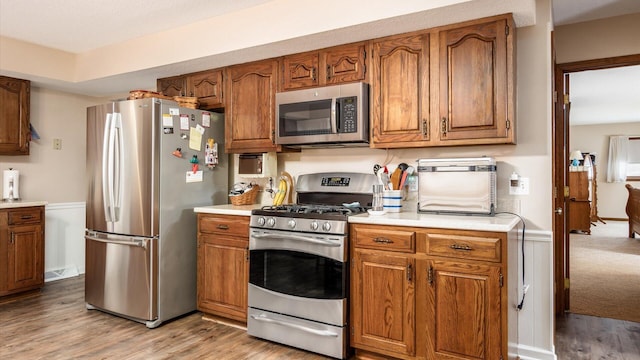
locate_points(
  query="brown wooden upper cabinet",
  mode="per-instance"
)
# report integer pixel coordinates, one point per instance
(207, 86)
(476, 89)
(250, 107)
(400, 91)
(335, 65)
(172, 86)
(448, 86)
(14, 116)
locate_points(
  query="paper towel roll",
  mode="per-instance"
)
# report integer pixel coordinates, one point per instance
(11, 185)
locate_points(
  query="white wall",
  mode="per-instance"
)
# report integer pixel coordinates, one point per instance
(612, 197)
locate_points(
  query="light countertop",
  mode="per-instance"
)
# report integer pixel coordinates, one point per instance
(20, 203)
(499, 222)
(228, 209)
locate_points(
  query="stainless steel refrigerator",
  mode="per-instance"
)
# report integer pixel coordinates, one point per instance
(149, 163)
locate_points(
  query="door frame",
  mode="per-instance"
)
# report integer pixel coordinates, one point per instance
(560, 139)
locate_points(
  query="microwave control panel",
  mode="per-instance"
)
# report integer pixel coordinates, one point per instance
(348, 114)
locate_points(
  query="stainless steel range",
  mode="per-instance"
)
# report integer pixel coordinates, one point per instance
(299, 273)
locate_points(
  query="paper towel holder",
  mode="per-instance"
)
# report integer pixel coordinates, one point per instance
(11, 187)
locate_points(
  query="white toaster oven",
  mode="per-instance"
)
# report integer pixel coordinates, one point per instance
(457, 186)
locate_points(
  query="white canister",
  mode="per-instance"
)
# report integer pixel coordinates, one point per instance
(11, 185)
(392, 200)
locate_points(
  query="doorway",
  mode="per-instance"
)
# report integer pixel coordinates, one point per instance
(561, 168)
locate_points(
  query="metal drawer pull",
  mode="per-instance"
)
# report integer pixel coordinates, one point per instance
(381, 240)
(461, 247)
(26, 217)
(263, 318)
(223, 227)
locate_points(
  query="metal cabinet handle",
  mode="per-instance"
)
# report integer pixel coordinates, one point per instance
(409, 273)
(223, 227)
(430, 275)
(313, 74)
(461, 247)
(26, 217)
(12, 240)
(381, 240)
(425, 128)
(444, 126)
(328, 72)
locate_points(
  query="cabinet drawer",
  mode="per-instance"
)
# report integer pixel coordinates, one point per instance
(25, 216)
(224, 224)
(382, 238)
(465, 247)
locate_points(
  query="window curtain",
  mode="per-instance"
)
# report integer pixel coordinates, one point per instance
(617, 166)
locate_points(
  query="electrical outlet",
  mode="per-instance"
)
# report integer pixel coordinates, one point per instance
(57, 144)
(522, 187)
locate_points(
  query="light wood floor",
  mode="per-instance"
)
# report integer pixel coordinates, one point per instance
(54, 324)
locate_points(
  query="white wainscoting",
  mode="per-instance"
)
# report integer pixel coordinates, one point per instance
(64, 240)
(535, 320)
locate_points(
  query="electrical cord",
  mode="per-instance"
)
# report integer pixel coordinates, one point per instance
(521, 304)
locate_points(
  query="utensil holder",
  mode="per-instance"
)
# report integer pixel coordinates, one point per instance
(392, 200)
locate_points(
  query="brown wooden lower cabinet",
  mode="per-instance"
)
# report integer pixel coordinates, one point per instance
(223, 265)
(421, 293)
(21, 249)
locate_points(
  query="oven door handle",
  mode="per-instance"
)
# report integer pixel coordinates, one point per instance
(264, 318)
(296, 238)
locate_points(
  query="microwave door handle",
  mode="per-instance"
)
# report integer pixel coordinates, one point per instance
(334, 118)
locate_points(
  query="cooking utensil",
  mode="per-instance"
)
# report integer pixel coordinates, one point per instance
(395, 178)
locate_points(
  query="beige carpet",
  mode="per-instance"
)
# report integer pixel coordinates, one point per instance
(605, 273)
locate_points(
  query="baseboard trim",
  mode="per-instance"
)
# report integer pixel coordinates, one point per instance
(533, 353)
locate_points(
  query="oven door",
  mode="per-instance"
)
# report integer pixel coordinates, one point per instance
(299, 274)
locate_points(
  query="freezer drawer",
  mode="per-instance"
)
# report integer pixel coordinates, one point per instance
(121, 275)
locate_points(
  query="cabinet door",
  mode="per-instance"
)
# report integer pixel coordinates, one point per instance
(461, 310)
(26, 257)
(476, 90)
(300, 70)
(342, 64)
(383, 302)
(400, 92)
(223, 276)
(172, 86)
(14, 116)
(250, 112)
(207, 87)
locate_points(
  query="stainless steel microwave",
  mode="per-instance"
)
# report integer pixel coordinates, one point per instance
(336, 115)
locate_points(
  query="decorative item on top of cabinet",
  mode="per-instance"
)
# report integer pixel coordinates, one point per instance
(21, 249)
(15, 133)
(400, 91)
(172, 86)
(207, 86)
(335, 65)
(250, 111)
(223, 265)
(476, 82)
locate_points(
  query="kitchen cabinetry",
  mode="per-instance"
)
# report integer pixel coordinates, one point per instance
(428, 293)
(172, 86)
(223, 265)
(250, 111)
(400, 91)
(579, 204)
(14, 116)
(335, 65)
(446, 86)
(207, 86)
(21, 249)
(476, 89)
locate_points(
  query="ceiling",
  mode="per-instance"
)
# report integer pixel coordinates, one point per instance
(80, 26)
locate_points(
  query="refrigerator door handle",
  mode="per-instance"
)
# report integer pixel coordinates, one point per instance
(139, 243)
(118, 165)
(106, 182)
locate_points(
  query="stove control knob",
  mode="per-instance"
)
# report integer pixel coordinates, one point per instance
(314, 225)
(271, 222)
(261, 221)
(326, 226)
(292, 223)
